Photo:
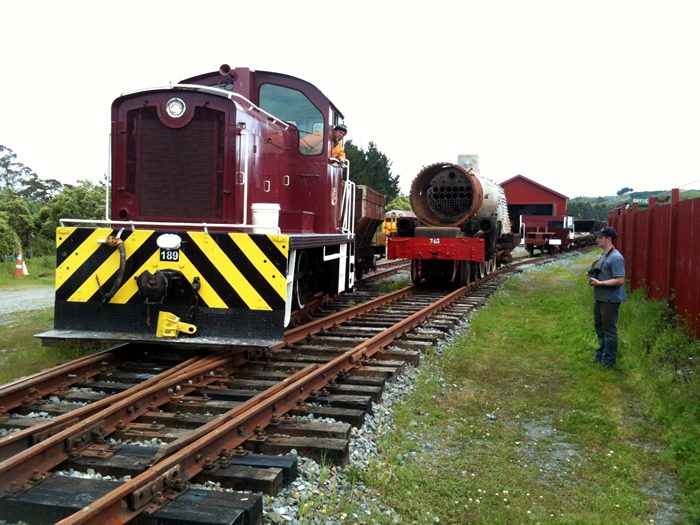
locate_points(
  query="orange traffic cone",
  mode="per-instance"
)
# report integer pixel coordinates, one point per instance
(19, 266)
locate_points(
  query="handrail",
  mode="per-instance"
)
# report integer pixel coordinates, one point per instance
(109, 175)
(244, 174)
(347, 207)
(204, 225)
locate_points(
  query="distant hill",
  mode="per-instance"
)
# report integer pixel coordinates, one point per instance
(598, 207)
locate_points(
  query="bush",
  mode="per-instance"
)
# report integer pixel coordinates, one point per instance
(665, 360)
(9, 242)
(85, 201)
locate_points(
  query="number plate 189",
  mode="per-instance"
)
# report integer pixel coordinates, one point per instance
(169, 255)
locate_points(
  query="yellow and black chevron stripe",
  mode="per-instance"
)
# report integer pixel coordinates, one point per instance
(236, 270)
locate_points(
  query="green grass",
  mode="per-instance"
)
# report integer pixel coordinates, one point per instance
(516, 424)
(21, 353)
(392, 286)
(41, 272)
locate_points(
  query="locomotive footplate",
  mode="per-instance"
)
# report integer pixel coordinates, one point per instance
(126, 323)
(205, 288)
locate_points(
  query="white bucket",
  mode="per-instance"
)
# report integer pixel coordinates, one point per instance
(266, 215)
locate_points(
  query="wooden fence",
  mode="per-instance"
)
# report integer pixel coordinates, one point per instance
(661, 246)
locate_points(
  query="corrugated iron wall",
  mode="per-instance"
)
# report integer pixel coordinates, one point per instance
(661, 246)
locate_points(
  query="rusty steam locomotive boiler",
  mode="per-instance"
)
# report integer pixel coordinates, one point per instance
(461, 231)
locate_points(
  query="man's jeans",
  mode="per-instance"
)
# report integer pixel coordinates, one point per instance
(605, 316)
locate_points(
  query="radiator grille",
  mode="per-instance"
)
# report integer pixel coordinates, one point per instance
(177, 173)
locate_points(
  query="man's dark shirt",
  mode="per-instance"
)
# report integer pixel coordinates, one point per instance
(612, 265)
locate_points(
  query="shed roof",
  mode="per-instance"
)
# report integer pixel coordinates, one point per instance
(530, 181)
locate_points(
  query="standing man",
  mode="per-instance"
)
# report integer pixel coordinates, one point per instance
(338, 151)
(607, 276)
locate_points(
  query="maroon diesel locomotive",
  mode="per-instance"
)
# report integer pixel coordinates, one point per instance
(227, 213)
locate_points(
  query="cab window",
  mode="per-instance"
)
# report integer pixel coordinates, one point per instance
(294, 107)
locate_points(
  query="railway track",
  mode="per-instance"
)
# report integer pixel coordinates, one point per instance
(209, 416)
(384, 270)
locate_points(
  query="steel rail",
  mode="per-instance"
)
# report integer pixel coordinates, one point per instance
(147, 491)
(36, 386)
(41, 457)
(391, 263)
(381, 272)
(301, 332)
(42, 383)
(219, 436)
(212, 425)
(16, 442)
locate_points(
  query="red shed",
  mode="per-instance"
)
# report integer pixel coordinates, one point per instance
(527, 197)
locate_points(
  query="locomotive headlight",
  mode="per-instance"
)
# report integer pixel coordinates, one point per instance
(169, 241)
(175, 107)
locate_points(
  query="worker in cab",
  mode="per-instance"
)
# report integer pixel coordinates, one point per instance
(337, 136)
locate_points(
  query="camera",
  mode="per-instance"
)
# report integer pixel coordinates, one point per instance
(594, 270)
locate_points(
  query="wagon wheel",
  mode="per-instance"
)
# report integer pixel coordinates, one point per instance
(492, 264)
(477, 270)
(465, 273)
(415, 271)
(303, 280)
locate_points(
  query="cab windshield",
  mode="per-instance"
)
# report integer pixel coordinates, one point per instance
(294, 107)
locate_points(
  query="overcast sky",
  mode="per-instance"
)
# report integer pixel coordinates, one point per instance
(584, 97)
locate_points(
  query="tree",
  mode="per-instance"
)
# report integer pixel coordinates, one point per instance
(624, 190)
(9, 168)
(588, 208)
(40, 190)
(22, 180)
(372, 168)
(12, 172)
(18, 217)
(9, 243)
(84, 201)
(400, 202)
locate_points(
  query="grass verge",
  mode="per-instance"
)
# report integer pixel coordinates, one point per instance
(516, 424)
(21, 353)
(41, 272)
(393, 285)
